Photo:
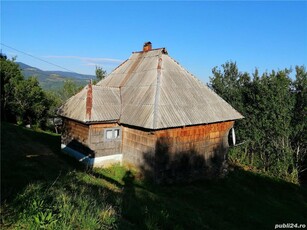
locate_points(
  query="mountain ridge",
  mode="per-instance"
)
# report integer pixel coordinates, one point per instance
(51, 80)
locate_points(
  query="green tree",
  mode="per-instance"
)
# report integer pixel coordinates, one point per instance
(55, 102)
(273, 106)
(69, 89)
(299, 122)
(31, 102)
(100, 74)
(267, 103)
(10, 77)
(22, 100)
(228, 83)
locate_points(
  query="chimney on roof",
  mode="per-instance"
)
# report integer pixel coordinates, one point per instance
(147, 46)
(89, 101)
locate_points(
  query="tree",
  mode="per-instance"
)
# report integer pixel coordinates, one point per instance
(21, 100)
(267, 103)
(228, 83)
(299, 121)
(31, 102)
(69, 89)
(10, 77)
(100, 74)
(273, 104)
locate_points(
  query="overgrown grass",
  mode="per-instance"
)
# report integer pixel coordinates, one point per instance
(58, 194)
(238, 156)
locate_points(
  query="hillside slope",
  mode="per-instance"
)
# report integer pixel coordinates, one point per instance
(41, 188)
(53, 79)
(28, 156)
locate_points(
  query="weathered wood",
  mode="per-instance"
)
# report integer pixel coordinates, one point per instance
(205, 140)
(143, 148)
(73, 130)
(99, 145)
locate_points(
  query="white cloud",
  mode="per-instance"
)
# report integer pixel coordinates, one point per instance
(89, 61)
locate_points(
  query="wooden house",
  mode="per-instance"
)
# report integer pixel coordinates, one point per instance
(149, 112)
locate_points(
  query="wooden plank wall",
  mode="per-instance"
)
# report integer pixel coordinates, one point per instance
(75, 135)
(206, 140)
(99, 145)
(73, 130)
(136, 143)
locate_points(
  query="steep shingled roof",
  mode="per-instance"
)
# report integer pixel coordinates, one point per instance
(155, 92)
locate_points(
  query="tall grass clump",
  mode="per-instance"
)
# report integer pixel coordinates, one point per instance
(68, 204)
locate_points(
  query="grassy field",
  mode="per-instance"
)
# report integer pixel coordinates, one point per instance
(43, 189)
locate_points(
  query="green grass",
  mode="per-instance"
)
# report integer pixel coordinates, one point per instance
(43, 189)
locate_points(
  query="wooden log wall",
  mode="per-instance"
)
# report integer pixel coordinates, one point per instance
(99, 145)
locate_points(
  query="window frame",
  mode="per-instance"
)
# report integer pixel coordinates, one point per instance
(113, 138)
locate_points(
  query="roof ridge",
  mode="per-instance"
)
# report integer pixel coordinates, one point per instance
(157, 93)
(148, 50)
(132, 69)
(186, 70)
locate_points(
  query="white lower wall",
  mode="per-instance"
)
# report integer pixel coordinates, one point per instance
(93, 162)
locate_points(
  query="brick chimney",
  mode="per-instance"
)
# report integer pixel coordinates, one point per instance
(147, 46)
(89, 101)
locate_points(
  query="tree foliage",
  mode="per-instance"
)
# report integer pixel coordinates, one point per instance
(31, 102)
(274, 107)
(22, 100)
(10, 77)
(100, 74)
(69, 89)
(299, 121)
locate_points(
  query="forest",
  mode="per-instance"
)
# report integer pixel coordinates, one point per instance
(271, 139)
(272, 136)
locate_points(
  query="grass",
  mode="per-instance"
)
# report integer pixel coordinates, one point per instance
(43, 189)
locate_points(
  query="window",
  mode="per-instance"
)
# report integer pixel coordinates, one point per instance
(109, 134)
(116, 133)
(112, 134)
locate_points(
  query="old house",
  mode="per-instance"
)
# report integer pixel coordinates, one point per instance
(146, 113)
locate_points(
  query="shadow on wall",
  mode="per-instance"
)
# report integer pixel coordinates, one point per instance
(165, 166)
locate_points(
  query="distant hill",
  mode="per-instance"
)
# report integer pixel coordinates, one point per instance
(51, 80)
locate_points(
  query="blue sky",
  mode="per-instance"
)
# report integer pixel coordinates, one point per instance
(199, 35)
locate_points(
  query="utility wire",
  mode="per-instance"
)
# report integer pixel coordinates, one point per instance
(38, 58)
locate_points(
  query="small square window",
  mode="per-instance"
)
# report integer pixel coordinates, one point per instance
(112, 134)
(109, 134)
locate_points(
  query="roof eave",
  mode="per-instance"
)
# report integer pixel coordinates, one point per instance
(91, 122)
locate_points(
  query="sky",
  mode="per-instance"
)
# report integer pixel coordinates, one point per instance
(80, 35)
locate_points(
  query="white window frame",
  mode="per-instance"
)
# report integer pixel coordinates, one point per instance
(113, 130)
